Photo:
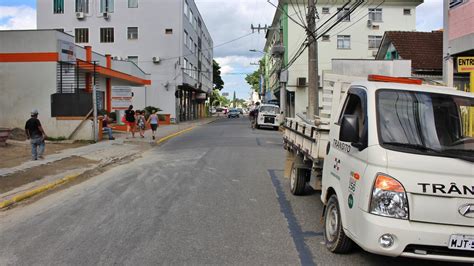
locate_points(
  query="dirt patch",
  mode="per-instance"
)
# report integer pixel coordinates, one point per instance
(17, 134)
(17, 153)
(10, 182)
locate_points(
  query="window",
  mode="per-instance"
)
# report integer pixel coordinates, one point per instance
(195, 49)
(185, 8)
(132, 3)
(81, 35)
(195, 23)
(343, 41)
(191, 17)
(191, 43)
(325, 10)
(82, 6)
(133, 58)
(106, 6)
(190, 70)
(406, 11)
(106, 35)
(168, 31)
(344, 13)
(375, 14)
(354, 106)
(185, 65)
(374, 41)
(325, 38)
(58, 6)
(185, 38)
(132, 33)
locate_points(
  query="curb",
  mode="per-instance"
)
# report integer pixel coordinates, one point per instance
(36, 191)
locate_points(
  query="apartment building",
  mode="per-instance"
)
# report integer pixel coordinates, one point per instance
(167, 39)
(358, 36)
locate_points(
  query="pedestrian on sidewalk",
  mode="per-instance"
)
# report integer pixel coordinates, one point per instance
(153, 121)
(105, 126)
(141, 123)
(131, 121)
(35, 133)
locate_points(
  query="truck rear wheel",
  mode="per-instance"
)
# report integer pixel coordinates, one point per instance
(297, 180)
(335, 238)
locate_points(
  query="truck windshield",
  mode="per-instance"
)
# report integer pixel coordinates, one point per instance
(437, 124)
(269, 109)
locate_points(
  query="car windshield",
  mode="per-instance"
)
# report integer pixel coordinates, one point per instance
(427, 122)
(269, 109)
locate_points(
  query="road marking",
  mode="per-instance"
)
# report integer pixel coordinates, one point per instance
(174, 135)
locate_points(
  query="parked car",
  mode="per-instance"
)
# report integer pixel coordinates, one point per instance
(233, 113)
(268, 116)
(241, 111)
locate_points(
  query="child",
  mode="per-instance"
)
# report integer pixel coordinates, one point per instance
(141, 123)
(153, 121)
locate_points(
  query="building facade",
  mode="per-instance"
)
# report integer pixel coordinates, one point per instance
(357, 36)
(45, 70)
(168, 39)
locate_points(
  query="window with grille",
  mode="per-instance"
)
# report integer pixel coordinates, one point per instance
(133, 58)
(106, 6)
(81, 35)
(343, 41)
(132, 33)
(325, 10)
(186, 8)
(106, 35)
(82, 6)
(58, 6)
(374, 41)
(375, 14)
(344, 13)
(132, 3)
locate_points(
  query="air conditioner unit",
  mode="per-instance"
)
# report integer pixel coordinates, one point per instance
(156, 59)
(80, 15)
(106, 15)
(301, 82)
(369, 23)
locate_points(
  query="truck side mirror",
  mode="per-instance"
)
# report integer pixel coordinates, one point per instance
(349, 129)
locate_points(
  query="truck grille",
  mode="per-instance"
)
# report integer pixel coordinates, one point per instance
(437, 250)
(269, 119)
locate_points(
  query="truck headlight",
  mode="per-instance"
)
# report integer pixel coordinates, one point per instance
(389, 198)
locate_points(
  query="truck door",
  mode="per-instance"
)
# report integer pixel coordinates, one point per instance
(349, 160)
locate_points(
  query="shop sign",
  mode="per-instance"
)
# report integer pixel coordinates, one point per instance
(466, 64)
(67, 51)
(201, 96)
(121, 97)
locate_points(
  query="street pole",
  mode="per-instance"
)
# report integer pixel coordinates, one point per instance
(283, 81)
(94, 107)
(313, 80)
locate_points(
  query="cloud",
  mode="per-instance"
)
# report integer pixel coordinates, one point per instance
(17, 17)
(429, 15)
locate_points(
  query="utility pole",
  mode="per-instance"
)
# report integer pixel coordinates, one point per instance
(94, 106)
(313, 80)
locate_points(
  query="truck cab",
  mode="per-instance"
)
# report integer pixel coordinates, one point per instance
(268, 116)
(398, 174)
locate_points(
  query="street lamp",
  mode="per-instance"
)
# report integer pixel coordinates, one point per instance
(256, 51)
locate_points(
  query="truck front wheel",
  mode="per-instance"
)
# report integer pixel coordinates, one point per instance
(335, 238)
(297, 180)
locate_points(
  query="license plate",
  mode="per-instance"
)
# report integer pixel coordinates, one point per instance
(462, 242)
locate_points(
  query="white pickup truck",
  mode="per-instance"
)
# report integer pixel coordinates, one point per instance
(394, 160)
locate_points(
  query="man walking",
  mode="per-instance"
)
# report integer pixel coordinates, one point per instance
(36, 135)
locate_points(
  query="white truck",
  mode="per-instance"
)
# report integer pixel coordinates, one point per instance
(268, 116)
(394, 160)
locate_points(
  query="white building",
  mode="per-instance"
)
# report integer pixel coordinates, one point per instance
(358, 36)
(168, 39)
(45, 70)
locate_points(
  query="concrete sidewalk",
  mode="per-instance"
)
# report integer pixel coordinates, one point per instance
(103, 153)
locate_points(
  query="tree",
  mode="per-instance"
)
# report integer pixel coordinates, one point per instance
(254, 79)
(216, 76)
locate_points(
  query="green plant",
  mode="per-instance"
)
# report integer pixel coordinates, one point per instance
(103, 112)
(149, 110)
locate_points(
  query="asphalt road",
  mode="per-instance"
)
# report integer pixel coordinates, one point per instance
(215, 195)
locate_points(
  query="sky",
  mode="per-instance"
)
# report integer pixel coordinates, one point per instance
(226, 20)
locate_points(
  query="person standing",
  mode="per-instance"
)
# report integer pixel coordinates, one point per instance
(153, 121)
(35, 133)
(131, 121)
